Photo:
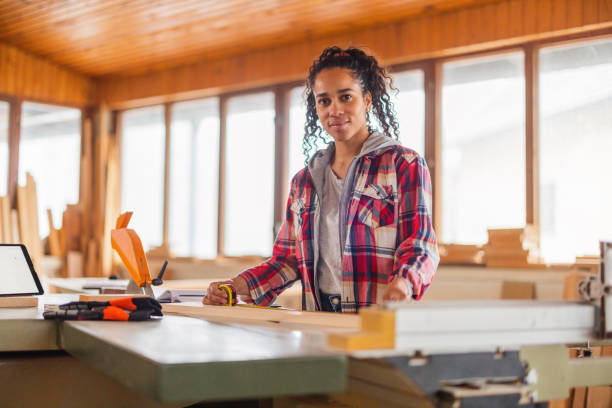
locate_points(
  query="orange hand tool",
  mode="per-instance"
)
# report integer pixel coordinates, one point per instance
(129, 247)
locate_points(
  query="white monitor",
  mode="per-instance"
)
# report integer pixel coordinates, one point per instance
(17, 275)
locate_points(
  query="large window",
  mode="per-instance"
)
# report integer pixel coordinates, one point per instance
(50, 149)
(483, 147)
(297, 119)
(194, 175)
(142, 172)
(409, 104)
(249, 199)
(4, 155)
(575, 148)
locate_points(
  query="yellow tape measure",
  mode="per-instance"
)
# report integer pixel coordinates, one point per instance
(231, 294)
(232, 299)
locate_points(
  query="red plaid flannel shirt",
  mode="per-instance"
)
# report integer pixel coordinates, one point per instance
(389, 234)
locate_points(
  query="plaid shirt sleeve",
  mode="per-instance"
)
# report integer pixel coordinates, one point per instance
(267, 280)
(416, 257)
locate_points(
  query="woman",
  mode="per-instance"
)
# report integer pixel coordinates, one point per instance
(357, 228)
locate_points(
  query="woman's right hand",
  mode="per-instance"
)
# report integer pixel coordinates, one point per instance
(216, 296)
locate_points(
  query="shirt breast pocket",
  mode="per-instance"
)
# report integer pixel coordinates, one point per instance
(376, 206)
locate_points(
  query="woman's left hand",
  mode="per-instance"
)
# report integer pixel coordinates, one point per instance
(398, 290)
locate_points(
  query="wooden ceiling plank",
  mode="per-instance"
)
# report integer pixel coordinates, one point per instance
(50, 17)
(155, 48)
(88, 21)
(126, 23)
(123, 14)
(183, 40)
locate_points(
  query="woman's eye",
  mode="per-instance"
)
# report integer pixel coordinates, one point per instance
(323, 101)
(347, 97)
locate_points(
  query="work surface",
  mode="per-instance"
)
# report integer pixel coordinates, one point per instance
(208, 353)
(177, 359)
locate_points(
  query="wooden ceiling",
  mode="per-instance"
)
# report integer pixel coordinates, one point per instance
(118, 37)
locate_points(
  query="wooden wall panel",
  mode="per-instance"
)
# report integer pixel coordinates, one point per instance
(605, 10)
(516, 18)
(29, 77)
(574, 13)
(479, 27)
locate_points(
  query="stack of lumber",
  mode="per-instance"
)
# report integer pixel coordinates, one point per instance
(84, 237)
(103, 206)
(20, 225)
(65, 242)
(513, 247)
(589, 263)
(27, 209)
(87, 225)
(461, 254)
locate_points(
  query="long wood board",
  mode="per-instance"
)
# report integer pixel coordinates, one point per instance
(320, 319)
(19, 301)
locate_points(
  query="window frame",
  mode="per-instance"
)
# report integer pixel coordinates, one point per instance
(14, 138)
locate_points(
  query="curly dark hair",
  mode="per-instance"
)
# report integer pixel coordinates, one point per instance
(373, 79)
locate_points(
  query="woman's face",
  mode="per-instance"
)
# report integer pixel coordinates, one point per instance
(341, 105)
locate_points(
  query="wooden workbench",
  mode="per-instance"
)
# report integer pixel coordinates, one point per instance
(174, 361)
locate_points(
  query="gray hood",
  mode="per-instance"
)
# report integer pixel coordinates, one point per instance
(318, 163)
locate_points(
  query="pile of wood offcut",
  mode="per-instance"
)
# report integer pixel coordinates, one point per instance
(458, 254)
(513, 247)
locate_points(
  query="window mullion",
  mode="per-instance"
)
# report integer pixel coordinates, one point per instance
(168, 128)
(531, 135)
(222, 174)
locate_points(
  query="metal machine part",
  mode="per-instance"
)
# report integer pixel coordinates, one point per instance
(598, 290)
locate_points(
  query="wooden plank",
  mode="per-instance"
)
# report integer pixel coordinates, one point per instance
(590, 12)
(448, 30)
(18, 301)
(5, 211)
(71, 224)
(74, 264)
(574, 13)
(559, 15)
(55, 248)
(530, 19)
(100, 158)
(24, 219)
(111, 207)
(518, 290)
(489, 22)
(502, 26)
(15, 226)
(106, 298)
(319, 319)
(516, 18)
(37, 250)
(92, 258)
(605, 10)
(463, 24)
(570, 286)
(86, 180)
